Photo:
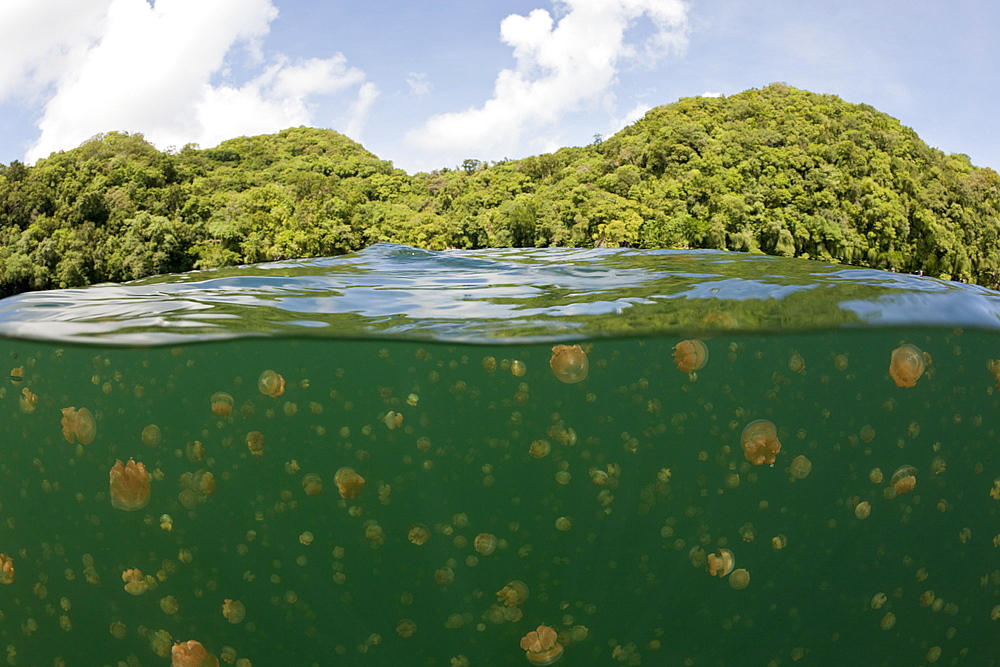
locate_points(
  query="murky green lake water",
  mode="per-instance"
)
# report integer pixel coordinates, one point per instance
(607, 498)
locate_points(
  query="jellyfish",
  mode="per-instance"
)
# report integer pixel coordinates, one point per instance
(406, 628)
(195, 451)
(801, 467)
(129, 486)
(169, 605)
(540, 448)
(721, 563)
(271, 384)
(28, 400)
(196, 487)
(690, 355)
(234, 611)
(862, 510)
(222, 404)
(349, 483)
(907, 365)
(78, 425)
(904, 479)
(514, 593)
(760, 442)
(418, 534)
(312, 484)
(569, 363)
(485, 543)
(135, 583)
(152, 436)
(540, 646)
(191, 654)
(739, 579)
(6, 569)
(255, 443)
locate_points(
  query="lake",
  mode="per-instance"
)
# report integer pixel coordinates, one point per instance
(380, 459)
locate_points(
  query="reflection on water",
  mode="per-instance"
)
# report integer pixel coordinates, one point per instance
(309, 501)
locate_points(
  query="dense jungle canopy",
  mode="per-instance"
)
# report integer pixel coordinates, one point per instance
(779, 170)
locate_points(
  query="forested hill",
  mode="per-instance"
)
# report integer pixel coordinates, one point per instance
(778, 170)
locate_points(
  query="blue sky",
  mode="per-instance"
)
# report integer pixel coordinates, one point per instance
(428, 84)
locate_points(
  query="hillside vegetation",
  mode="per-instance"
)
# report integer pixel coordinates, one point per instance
(778, 170)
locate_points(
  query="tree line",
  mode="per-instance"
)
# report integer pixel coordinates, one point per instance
(778, 171)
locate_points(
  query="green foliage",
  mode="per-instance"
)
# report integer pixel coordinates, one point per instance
(779, 170)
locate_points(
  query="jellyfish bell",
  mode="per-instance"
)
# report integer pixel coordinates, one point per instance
(739, 579)
(569, 363)
(271, 384)
(191, 654)
(78, 425)
(904, 479)
(800, 467)
(135, 583)
(907, 365)
(312, 484)
(349, 483)
(485, 543)
(234, 611)
(129, 484)
(514, 593)
(721, 563)
(541, 646)
(222, 404)
(255, 443)
(6, 569)
(760, 442)
(690, 355)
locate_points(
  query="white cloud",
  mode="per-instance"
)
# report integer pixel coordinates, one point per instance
(41, 38)
(561, 66)
(149, 69)
(418, 83)
(711, 94)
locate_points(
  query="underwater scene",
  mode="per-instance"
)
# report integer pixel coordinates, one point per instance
(504, 457)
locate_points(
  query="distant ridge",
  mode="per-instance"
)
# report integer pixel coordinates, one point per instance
(778, 170)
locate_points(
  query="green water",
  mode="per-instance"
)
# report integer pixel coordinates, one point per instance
(628, 574)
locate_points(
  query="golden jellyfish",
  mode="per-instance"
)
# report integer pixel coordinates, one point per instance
(195, 451)
(907, 365)
(739, 579)
(721, 563)
(485, 543)
(801, 467)
(904, 479)
(234, 611)
(255, 443)
(540, 448)
(690, 355)
(863, 510)
(28, 400)
(129, 486)
(312, 484)
(540, 646)
(135, 583)
(271, 384)
(418, 534)
(6, 569)
(222, 404)
(84, 428)
(760, 442)
(196, 487)
(514, 593)
(152, 436)
(191, 654)
(349, 483)
(569, 363)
